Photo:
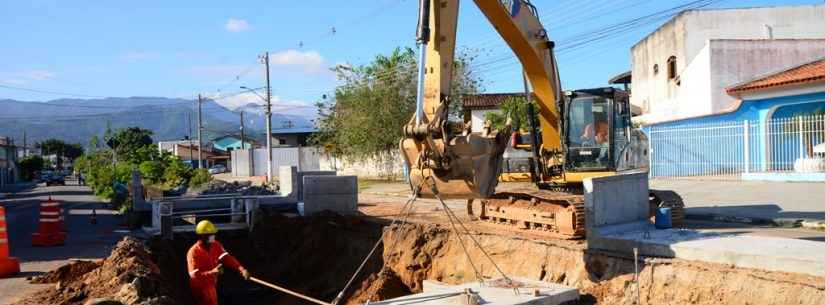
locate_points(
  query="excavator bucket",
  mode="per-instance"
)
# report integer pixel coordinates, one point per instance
(471, 169)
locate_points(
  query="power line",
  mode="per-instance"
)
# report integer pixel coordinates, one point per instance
(50, 92)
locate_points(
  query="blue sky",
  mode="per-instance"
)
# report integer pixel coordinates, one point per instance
(181, 48)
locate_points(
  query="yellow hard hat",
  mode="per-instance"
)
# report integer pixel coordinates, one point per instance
(205, 227)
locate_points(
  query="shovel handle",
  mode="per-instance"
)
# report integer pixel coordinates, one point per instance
(287, 291)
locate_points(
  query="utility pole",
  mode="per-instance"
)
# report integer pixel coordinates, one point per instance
(189, 125)
(243, 139)
(200, 128)
(268, 121)
(25, 145)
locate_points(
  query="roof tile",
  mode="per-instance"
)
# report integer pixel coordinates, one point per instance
(486, 100)
(806, 73)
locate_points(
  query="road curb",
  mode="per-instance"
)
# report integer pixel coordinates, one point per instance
(775, 222)
(814, 224)
(384, 194)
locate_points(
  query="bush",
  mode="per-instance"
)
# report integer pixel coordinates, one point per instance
(30, 165)
(200, 177)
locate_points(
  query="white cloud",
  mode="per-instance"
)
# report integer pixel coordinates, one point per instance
(310, 62)
(215, 71)
(27, 76)
(236, 25)
(279, 105)
(134, 56)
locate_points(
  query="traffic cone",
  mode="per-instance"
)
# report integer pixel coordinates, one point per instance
(50, 230)
(8, 265)
(93, 218)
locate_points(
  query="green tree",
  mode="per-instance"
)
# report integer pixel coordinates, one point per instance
(61, 149)
(364, 118)
(516, 109)
(127, 141)
(30, 165)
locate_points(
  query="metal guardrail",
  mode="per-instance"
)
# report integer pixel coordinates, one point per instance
(168, 213)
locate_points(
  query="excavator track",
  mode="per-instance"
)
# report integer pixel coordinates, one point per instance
(560, 214)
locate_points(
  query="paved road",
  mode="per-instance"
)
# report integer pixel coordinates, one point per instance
(769, 200)
(85, 241)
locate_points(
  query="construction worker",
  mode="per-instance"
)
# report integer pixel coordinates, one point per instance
(206, 259)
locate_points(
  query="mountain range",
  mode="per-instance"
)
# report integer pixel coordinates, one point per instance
(77, 120)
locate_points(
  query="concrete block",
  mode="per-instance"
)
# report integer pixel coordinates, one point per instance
(333, 193)
(491, 293)
(300, 178)
(288, 181)
(616, 199)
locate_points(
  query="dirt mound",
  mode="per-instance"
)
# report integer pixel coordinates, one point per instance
(381, 286)
(128, 276)
(72, 270)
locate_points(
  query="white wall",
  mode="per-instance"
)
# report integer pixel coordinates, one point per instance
(478, 118)
(305, 158)
(687, 36)
(389, 166)
(737, 61)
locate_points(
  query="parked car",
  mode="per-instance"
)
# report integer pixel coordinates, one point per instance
(55, 180)
(217, 169)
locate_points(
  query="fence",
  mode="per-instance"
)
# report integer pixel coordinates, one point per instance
(728, 150)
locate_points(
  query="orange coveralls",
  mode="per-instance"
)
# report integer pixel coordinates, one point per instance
(200, 261)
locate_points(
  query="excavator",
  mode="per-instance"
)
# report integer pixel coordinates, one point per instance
(579, 134)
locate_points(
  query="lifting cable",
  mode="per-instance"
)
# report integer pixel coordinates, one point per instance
(451, 215)
(406, 210)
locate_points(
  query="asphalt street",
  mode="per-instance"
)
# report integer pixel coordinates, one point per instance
(84, 241)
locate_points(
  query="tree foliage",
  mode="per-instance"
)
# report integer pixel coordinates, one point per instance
(516, 109)
(366, 115)
(60, 149)
(30, 165)
(135, 151)
(127, 141)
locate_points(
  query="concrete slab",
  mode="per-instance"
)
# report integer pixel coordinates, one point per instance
(746, 251)
(615, 199)
(491, 293)
(330, 193)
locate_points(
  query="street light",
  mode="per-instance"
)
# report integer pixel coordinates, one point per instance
(268, 112)
(254, 91)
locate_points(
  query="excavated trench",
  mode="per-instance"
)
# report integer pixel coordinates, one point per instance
(316, 256)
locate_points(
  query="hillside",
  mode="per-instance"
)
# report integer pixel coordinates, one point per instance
(77, 120)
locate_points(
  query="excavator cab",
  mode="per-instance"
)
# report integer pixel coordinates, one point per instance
(598, 136)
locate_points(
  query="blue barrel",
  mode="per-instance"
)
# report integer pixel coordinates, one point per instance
(663, 218)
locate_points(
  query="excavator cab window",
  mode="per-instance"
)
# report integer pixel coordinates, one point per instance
(589, 133)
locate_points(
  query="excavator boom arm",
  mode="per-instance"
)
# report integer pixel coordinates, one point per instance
(468, 166)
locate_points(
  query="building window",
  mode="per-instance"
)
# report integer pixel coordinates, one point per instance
(281, 141)
(671, 67)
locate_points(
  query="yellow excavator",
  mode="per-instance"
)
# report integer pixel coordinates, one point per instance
(580, 134)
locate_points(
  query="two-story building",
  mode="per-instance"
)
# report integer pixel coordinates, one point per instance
(682, 69)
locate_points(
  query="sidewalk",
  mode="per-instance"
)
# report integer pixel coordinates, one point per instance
(787, 204)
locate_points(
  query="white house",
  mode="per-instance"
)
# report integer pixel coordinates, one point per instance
(681, 70)
(476, 106)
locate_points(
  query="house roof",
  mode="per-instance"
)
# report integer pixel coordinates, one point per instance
(294, 130)
(486, 100)
(622, 78)
(811, 72)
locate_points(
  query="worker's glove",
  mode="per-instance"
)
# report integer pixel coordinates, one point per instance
(218, 270)
(245, 274)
